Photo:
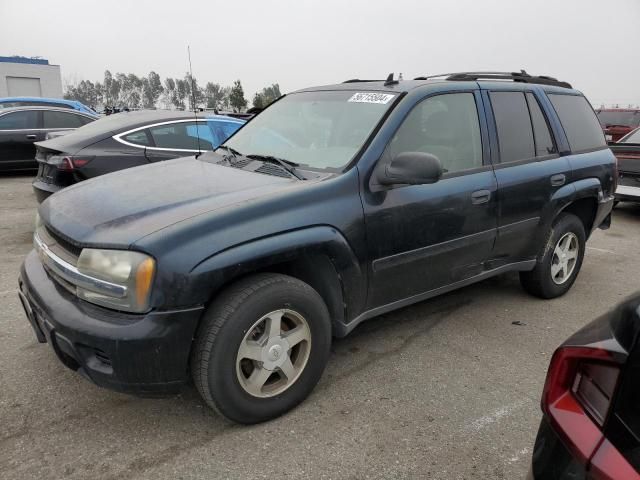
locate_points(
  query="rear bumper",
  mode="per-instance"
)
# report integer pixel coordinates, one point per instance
(140, 354)
(551, 459)
(603, 214)
(625, 193)
(43, 189)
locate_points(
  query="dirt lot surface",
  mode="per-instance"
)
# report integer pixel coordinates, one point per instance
(445, 389)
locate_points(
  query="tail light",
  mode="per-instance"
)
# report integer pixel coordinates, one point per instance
(577, 397)
(70, 163)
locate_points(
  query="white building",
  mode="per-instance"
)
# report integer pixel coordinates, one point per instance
(29, 77)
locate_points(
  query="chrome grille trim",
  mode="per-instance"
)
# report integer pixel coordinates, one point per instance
(71, 274)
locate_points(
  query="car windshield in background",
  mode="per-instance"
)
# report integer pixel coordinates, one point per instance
(627, 119)
(633, 137)
(322, 129)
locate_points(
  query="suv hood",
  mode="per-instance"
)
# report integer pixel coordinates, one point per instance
(117, 209)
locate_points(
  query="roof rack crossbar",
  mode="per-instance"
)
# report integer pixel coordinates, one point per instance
(521, 77)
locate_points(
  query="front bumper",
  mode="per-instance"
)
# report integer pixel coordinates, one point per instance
(140, 354)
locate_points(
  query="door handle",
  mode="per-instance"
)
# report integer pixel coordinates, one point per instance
(31, 137)
(558, 180)
(481, 196)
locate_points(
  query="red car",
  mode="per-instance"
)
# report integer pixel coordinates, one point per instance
(617, 122)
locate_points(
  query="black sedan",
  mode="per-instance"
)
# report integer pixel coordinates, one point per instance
(591, 403)
(126, 140)
(20, 127)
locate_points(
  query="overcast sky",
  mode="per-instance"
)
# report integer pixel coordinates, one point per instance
(592, 44)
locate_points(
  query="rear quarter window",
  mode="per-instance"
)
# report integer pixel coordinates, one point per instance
(579, 122)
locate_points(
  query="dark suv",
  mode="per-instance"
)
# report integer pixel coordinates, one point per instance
(333, 205)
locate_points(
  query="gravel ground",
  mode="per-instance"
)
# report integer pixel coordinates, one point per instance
(445, 389)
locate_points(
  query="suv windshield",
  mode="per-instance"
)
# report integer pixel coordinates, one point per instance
(316, 129)
(619, 117)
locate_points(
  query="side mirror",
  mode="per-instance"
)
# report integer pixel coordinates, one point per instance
(411, 168)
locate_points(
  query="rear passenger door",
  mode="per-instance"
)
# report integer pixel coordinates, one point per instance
(528, 170)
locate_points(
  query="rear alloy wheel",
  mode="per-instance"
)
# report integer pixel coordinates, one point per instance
(261, 347)
(559, 260)
(564, 258)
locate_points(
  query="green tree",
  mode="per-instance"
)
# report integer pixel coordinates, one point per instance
(195, 95)
(215, 95)
(151, 90)
(236, 97)
(258, 100)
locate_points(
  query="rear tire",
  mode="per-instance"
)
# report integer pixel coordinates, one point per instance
(261, 348)
(559, 261)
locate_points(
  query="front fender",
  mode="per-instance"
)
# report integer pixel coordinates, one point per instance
(214, 272)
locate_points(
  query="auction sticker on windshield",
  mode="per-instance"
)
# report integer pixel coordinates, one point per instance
(368, 97)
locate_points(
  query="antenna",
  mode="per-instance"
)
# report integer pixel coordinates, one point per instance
(193, 100)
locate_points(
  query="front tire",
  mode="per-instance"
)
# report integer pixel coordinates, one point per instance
(261, 348)
(559, 261)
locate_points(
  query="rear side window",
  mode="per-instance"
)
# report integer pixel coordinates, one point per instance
(53, 119)
(26, 120)
(179, 136)
(515, 133)
(541, 133)
(139, 137)
(579, 122)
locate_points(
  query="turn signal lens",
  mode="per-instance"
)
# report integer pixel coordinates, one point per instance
(144, 276)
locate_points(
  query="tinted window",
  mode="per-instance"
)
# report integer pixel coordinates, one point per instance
(179, 136)
(445, 126)
(53, 119)
(229, 128)
(633, 137)
(513, 123)
(206, 133)
(19, 120)
(541, 133)
(138, 138)
(579, 122)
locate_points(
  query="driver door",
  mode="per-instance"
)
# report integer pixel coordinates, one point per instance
(424, 237)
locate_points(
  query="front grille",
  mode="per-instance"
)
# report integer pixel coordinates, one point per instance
(59, 245)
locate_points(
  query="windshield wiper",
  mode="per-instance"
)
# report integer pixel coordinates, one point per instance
(287, 165)
(232, 151)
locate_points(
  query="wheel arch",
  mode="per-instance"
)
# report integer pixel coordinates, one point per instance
(319, 256)
(579, 198)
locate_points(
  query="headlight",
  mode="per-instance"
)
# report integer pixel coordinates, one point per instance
(132, 270)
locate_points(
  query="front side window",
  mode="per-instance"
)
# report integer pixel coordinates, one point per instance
(579, 121)
(515, 132)
(446, 126)
(54, 119)
(26, 120)
(180, 136)
(320, 129)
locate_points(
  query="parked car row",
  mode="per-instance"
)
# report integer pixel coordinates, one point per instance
(126, 140)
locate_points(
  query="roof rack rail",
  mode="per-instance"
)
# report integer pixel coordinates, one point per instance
(520, 77)
(358, 80)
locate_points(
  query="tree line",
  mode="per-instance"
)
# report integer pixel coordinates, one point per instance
(128, 90)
